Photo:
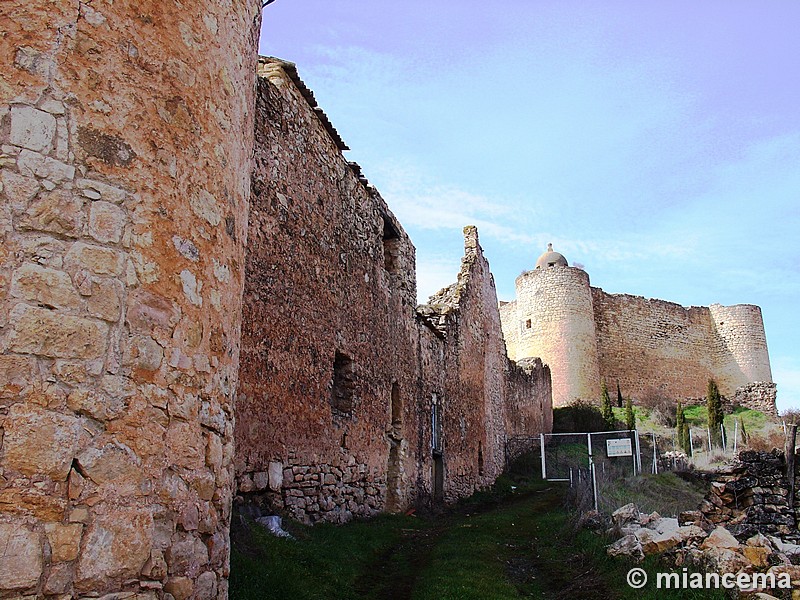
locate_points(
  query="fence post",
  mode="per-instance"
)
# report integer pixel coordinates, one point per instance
(544, 466)
(691, 444)
(791, 440)
(638, 452)
(592, 470)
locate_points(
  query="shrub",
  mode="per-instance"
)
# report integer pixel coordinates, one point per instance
(578, 417)
(662, 407)
(607, 411)
(715, 414)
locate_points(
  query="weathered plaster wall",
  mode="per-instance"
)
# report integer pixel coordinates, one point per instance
(125, 179)
(331, 272)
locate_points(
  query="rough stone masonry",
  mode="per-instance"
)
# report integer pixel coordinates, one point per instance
(124, 174)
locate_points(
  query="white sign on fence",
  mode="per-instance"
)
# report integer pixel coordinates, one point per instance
(619, 447)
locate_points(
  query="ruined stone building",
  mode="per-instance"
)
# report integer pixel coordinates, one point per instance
(128, 135)
(586, 336)
(351, 399)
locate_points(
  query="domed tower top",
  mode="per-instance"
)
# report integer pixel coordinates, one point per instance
(551, 259)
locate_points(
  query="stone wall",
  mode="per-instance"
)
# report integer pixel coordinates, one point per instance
(339, 373)
(653, 345)
(752, 496)
(124, 176)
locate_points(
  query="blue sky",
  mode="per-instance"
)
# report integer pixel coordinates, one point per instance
(655, 143)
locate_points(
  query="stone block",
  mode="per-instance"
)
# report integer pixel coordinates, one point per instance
(32, 128)
(65, 540)
(33, 164)
(16, 373)
(180, 587)
(35, 330)
(96, 405)
(20, 190)
(275, 471)
(206, 586)
(102, 190)
(186, 552)
(45, 286)
(261, 480)
(20, 557)
(116, 545)
(106, 222)
(39, 441)
(104, 302)
(113, 463)
(97, 259)
(147, 313)
(58, 211)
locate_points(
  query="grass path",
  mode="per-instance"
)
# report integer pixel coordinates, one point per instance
(507, 544)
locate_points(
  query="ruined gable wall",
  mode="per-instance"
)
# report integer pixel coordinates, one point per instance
(483, 389)
(318, 282)
(125, 178)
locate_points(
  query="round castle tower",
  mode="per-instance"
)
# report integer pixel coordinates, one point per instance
(743, 355)
(555, 322)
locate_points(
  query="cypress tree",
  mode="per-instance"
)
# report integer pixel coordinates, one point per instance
(715, 414)
(630, 418)
(682, 430)
(745, 437)
(608, 412)
(619, 397)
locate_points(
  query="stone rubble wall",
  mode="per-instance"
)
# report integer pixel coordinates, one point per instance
(124, 175)
(751, 497)
(330, 272)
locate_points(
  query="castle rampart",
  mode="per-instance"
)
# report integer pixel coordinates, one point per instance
(647, 346)
(552, 318)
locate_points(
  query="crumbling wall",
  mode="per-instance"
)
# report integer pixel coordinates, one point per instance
(350, 401)
(125, 179)
(752, 496)
(327, 337)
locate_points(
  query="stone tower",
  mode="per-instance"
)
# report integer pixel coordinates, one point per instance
(743, 354)
(126, 131)
(553, 319)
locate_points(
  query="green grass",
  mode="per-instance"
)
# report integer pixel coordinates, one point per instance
(665, 493)
(516, 541)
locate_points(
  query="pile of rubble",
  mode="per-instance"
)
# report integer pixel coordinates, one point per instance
(692, 540)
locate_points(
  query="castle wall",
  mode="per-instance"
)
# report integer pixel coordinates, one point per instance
(125, 180)
(650, 345)
(330, 274)
(554, 321)
(653, 345)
